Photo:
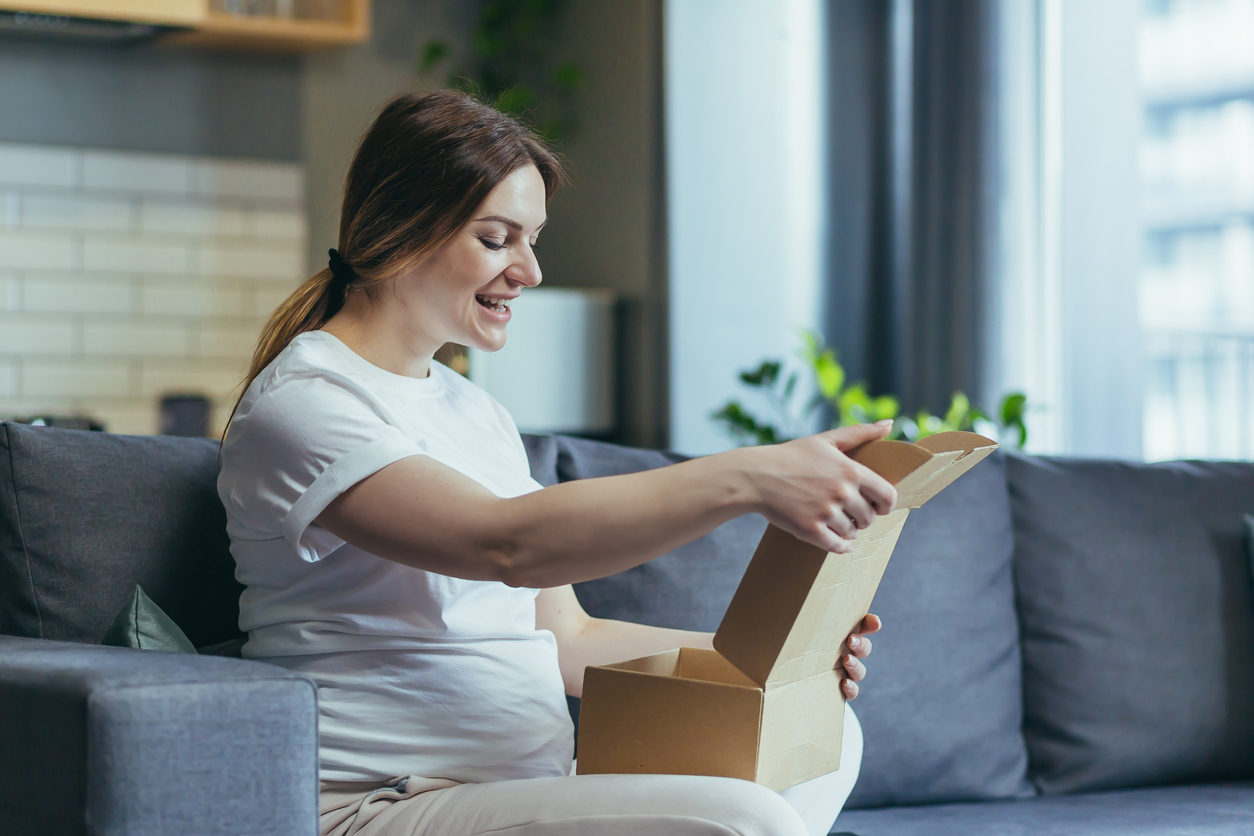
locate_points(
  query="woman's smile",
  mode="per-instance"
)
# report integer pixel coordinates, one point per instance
(495, 307)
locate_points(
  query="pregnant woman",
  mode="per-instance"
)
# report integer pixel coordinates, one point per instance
(396, 551)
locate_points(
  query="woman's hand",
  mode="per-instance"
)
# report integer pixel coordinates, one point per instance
(859, 648)
(812, 490)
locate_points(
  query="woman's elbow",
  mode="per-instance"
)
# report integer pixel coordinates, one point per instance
(511, 564)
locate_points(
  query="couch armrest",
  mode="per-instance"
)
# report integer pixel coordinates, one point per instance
(103, 740)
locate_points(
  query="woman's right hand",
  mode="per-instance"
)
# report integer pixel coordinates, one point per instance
(812, 490)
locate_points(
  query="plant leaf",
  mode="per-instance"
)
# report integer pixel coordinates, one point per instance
(788, 388)
(764, 375)
(567, 76)
(959, 410)
(828, 374)
(744, 426)
(885, 406)
(435, 51)
(1013, 407)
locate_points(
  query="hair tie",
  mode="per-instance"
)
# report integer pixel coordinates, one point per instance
(341, 273)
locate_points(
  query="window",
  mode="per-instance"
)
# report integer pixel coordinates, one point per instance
(1196, 286)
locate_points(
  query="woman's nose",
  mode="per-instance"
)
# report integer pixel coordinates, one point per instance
(525, 270)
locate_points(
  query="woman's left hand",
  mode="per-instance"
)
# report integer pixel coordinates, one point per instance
(859, 648)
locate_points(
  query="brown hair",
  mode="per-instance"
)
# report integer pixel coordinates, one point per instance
(419, 173)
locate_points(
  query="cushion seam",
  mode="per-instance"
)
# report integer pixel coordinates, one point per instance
(127, 686)
(139, 634)
(21, 535)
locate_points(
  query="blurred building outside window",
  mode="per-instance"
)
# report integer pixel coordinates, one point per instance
(1196, 286)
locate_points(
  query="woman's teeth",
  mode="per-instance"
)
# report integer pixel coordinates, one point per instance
(494, 303)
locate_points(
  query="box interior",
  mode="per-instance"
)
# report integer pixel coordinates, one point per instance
(688, 663)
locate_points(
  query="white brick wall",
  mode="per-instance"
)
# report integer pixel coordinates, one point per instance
(124, 277)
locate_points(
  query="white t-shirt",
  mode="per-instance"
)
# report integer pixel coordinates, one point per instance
(417, 673)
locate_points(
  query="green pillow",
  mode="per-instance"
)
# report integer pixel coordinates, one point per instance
(141, 624)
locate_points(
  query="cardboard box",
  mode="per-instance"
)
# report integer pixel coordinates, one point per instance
(768, 705)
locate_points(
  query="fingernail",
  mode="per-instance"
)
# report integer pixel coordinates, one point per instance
(883, 422)
(855, 642)
(850, 662)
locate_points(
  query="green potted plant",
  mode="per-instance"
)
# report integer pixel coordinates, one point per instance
(851, 403)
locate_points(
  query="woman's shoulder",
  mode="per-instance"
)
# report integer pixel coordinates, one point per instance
(306, 383)
(311, 356)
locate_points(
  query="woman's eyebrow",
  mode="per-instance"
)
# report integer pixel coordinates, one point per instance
(512, 224)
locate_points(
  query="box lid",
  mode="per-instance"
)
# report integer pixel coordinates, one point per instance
(796, 604)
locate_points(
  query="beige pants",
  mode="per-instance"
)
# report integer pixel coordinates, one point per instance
(593, 805)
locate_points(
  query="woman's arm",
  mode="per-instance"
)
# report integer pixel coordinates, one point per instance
(424, 514)
(583, 640)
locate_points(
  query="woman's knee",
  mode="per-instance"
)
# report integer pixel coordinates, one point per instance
(746, 808)
(851, 739)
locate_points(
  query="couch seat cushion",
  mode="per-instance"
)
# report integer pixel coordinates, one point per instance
(942, 706)
(1138, 623)
(1217, 810)
(85, 516)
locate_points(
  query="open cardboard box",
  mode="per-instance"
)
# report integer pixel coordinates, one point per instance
(767, 706)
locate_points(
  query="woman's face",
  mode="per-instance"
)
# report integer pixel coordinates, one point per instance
(463, 292)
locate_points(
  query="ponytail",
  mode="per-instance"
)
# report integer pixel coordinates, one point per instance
(308, 309)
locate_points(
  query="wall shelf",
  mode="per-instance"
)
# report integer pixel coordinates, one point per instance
(279, 34)
(202, 26)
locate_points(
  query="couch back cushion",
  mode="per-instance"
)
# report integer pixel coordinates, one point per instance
(1137, 619)
(86, 516)
(941, 709)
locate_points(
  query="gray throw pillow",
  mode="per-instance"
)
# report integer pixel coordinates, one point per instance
(141, 624)
(145, 510)
(1137, 621)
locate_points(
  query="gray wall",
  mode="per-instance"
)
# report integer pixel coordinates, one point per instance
(151, 98)
(607, 229)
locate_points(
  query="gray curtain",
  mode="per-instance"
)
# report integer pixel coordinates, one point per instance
(913, 195)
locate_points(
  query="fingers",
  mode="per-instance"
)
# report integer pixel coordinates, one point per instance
(847, 438)
(879, 492)
(870, 624)
(860, 646)
(874, 490)
(842, 525)
(823, 537)
(859, 510)
(855, 671)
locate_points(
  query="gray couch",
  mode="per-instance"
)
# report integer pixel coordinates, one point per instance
(1068, 649)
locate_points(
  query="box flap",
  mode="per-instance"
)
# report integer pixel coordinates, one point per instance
(796, 604)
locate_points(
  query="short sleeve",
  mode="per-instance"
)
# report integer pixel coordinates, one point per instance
(302, 443)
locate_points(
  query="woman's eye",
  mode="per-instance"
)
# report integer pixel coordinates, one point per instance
(492, 245)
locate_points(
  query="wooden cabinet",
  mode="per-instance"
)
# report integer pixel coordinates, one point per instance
(281, 34)
(162, 12)
(210, 23)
